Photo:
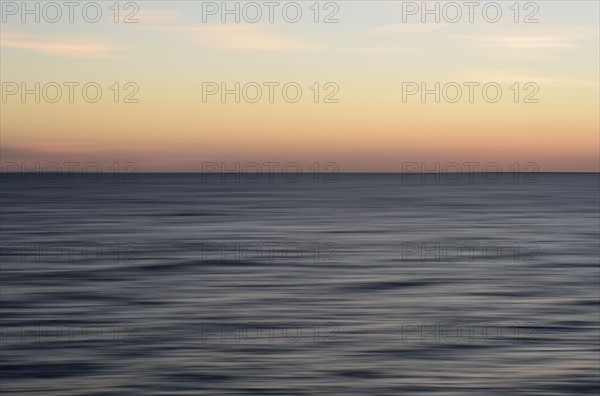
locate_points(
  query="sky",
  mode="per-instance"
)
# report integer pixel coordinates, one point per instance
(361, 76)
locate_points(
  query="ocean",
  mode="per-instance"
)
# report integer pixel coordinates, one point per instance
(353, 284)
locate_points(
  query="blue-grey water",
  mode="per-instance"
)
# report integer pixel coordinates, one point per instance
(372, 285)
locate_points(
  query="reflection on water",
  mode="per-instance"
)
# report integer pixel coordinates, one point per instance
(370, 285)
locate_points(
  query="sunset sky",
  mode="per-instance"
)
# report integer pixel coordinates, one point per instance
(368, 55)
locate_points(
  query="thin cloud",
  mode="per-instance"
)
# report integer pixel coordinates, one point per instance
(515, 42)
(244, 38)
(51, 150)
(558, 37)
(58, 47)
